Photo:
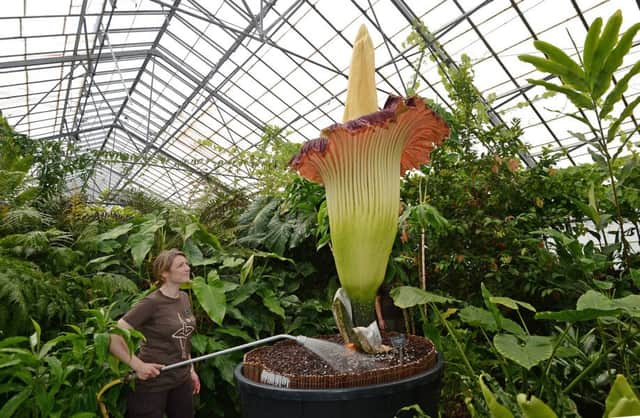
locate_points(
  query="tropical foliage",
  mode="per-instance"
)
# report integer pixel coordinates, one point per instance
(526, 278)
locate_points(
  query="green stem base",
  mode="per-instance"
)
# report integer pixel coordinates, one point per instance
(363, 312)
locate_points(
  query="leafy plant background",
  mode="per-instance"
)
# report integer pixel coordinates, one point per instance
(523, 283)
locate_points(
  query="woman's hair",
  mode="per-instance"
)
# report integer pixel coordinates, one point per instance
(163, 262)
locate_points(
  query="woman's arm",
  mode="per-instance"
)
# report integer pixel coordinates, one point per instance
(118, 347)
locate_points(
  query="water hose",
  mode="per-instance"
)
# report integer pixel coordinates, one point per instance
(103, 408)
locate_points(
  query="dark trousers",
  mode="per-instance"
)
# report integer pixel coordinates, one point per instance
(176, 403)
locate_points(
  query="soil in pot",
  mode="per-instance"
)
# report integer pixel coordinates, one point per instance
(292, 365)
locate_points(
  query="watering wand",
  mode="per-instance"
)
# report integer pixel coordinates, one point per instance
(300, 338)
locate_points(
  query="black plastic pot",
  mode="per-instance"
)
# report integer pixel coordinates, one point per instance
(374, 401)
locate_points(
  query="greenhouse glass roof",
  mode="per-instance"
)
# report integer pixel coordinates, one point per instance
(168, 79)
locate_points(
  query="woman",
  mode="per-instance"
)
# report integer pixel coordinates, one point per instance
(165, 318)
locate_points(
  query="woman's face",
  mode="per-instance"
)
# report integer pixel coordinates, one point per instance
(179, 271)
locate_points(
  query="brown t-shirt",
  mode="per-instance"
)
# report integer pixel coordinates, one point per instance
(167, 325)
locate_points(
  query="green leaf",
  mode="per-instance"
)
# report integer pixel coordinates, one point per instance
(534, 407)
(511, 303)
(621, 401)
(551, 67)
(14, 403)
(614, 61)
(526, 351)
(272, 303)
(628, 111)
(408, 296)
(199, 343)
(12, 341)
(558, 55)
(616, 94)
(101, 340)
(478, 317)
(211, 297)
(497, 410)
(115, 232)
(484, 319)
(605, 45)
(235, 332)
(193, 253)
(205, 236)
(580, 100)
(590, 44)
(594, 300)
(101, 263)
(246, 270)
(626, 408)
(577, 316)
(190, 230)
(140, 246)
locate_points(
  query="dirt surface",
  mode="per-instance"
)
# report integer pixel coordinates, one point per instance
(293, 359)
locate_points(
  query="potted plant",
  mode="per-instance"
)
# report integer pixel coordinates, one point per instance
(359, 162)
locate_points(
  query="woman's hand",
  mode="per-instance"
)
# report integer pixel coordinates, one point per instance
(195, 382)
(146, 371)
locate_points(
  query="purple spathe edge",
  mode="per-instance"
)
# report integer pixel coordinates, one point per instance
(379, 118)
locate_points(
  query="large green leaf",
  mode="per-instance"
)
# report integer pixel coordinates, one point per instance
(272, 303)
(622, 400)
(630, 304)
(526, 351)
(211, 297)
(193, 253)
(408, 296)
(478, 317)
(534, 407)
(115, 233)
(485, 319)
(142, 241)
(496, 409)
(140, 246)
(511, 303)
(577, 316)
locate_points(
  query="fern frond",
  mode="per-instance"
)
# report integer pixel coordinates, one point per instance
(111, 283)
(25, 218)
(28, 293)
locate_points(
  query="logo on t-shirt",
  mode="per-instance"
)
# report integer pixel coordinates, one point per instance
(183, 333)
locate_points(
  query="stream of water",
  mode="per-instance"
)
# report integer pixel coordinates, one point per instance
(339, 357)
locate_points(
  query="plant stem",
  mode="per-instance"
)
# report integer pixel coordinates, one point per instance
(553, 352)
(595, 362)
(363, 312)
(614, 190)
(455, 339)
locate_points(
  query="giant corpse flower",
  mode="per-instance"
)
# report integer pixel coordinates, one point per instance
(360, 162)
